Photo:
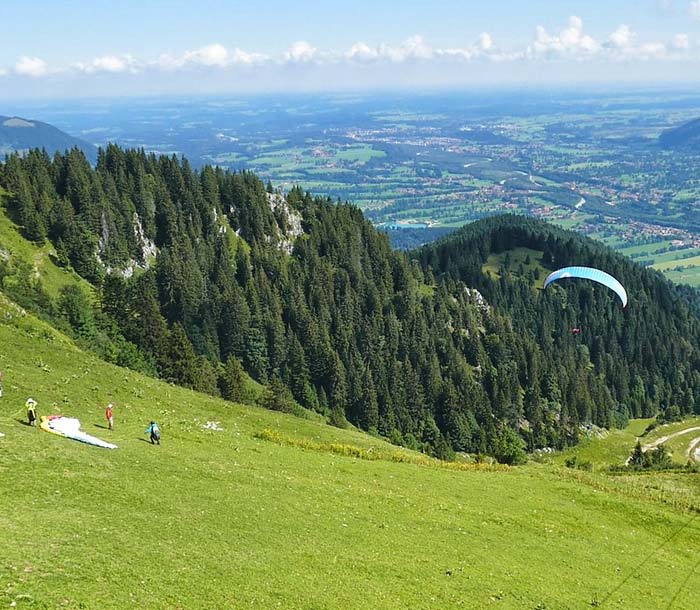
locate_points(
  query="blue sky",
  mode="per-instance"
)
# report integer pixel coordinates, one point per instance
(147, 47)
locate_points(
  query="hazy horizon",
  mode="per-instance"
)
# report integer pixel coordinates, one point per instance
(497, 90)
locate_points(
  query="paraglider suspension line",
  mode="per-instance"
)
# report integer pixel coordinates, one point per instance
(648, 557)
(683, 584)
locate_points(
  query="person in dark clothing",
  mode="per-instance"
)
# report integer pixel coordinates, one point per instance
(31, 411)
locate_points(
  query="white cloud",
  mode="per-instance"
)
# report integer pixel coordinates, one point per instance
(651, 50)
(694, 9)
(570, 41)
(416, 48)
(210, 55)
(622, 45)
(413, 47)
(485, 42)
(109, 63)
(681, 42)
(483, 47)
(3, 72)
(244, 58)
(622, 37)
(301, 52)
(31, 66)
(166, 62)
(213, 56)
(573, 44)
(361, 52)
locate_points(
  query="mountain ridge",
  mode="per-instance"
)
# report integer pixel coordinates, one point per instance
(308, 298)
(18, 134)
(684, 136)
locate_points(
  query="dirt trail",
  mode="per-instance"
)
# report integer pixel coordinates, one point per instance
(693, 452)
(663, 439)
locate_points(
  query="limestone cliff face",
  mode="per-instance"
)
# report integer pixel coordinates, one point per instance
(288, 221)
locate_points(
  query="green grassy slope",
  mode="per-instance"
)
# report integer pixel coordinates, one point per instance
(227, 520)
(614, 447)
(518, 262)
(18, 249)
(611, 449)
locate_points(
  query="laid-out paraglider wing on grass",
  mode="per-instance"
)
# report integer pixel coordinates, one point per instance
(70, 428)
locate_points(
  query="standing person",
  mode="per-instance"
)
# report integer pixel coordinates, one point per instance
(154, 431)
(31, 411)
(110, 416)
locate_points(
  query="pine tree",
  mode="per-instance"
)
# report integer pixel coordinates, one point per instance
(255, 353)
(77, 310)
(178, 361)
(232, 383)
(637, 459)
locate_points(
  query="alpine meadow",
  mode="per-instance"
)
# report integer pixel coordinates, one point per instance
(339, 307)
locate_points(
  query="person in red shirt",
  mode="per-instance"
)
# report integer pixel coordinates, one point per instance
(110, 416)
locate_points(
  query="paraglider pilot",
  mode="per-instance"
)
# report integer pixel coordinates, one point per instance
(154, 431)
(31, 411)
(110, 416)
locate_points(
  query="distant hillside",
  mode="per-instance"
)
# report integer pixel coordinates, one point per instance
(645, 354)
(20, 135)
(407, 237)
(202, 276)
(685, 136)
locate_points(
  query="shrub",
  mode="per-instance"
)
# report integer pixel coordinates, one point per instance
(573, 462)
(337, 418)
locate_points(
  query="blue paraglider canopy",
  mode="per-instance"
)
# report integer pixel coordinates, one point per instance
(589, 273)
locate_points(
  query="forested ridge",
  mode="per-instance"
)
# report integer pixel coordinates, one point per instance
(644, 355)
(200, 275)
